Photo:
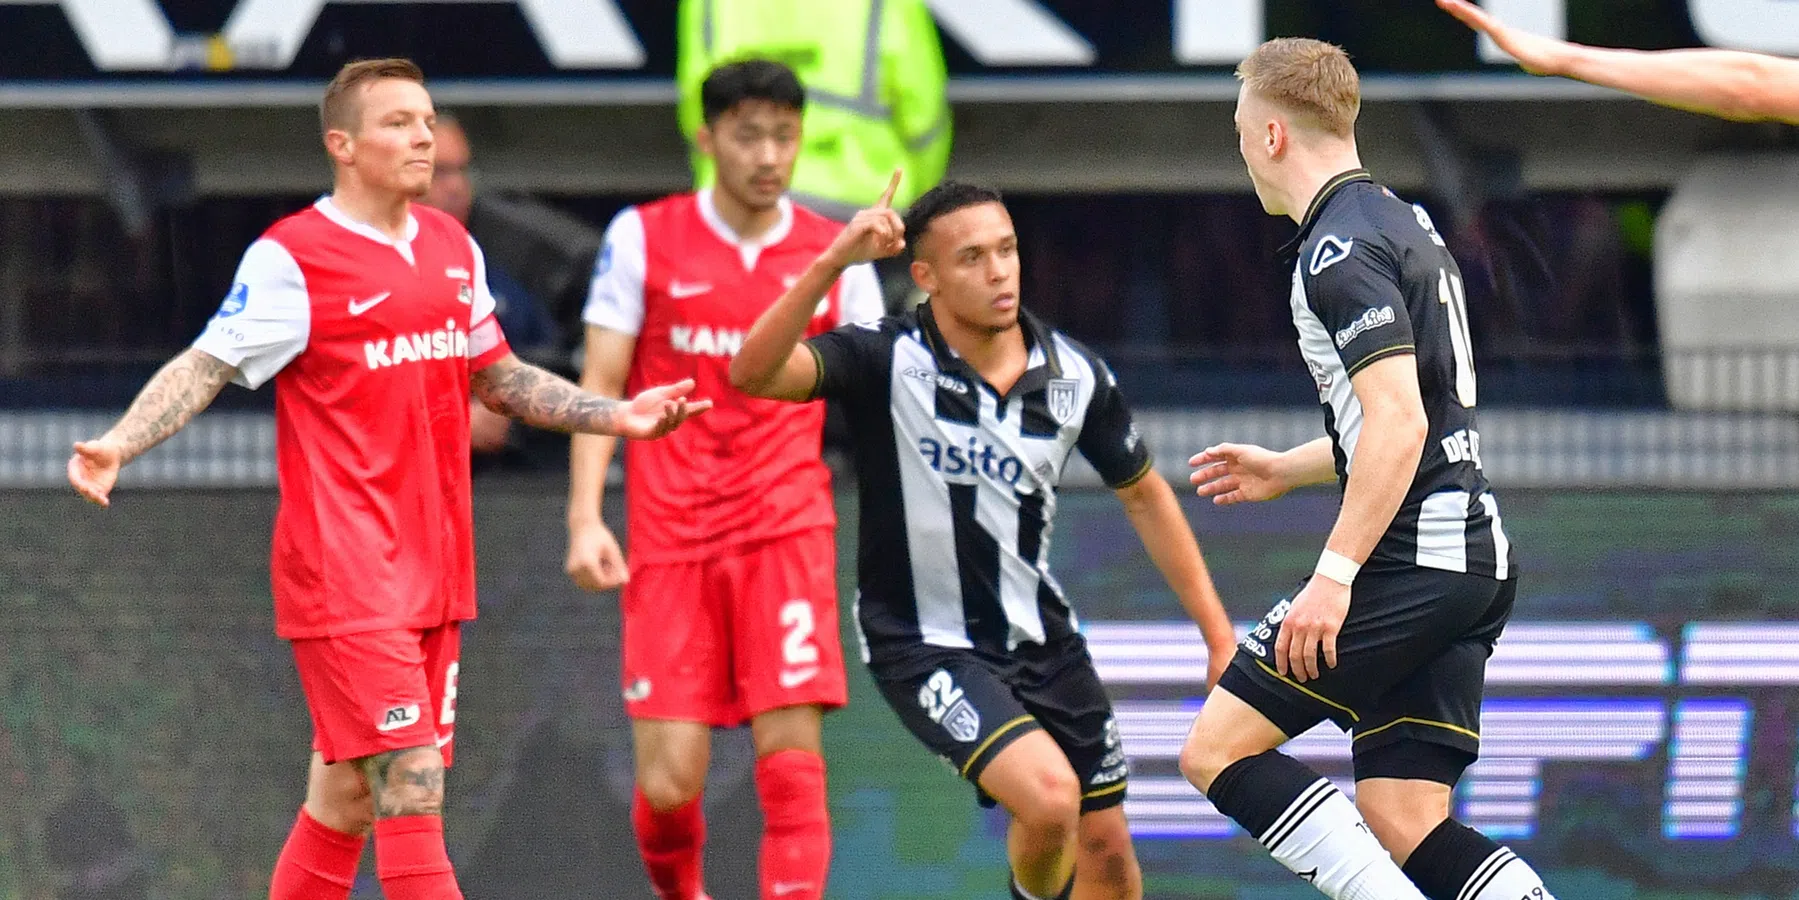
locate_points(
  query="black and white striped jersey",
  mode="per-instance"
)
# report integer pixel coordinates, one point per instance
(1372, 279)
(958, 483)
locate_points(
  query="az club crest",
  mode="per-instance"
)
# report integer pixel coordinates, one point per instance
(1062, 392)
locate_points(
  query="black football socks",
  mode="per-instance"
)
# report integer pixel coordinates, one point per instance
(1309, 827)
(1455, 862)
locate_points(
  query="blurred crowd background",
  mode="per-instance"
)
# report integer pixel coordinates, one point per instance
(1629, 278)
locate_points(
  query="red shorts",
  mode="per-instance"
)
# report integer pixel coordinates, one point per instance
(380, 691)
(728, 638)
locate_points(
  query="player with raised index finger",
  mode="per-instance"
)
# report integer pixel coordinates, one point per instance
(965, 413)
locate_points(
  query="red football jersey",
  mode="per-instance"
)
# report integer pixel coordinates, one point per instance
(676, 276)
(370, 343)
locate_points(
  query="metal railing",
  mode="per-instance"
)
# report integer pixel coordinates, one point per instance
(1735, 378)
(1519, 447)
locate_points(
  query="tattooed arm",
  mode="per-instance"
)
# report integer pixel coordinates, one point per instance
(538, 398)
(168, 402)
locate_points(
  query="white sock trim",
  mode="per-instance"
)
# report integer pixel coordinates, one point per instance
(1504, 876)
(1322, 838)
(1021, 891)
(1483, 874)
(1308, 801)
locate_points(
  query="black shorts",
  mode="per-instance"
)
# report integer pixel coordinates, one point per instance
(1411, 669)
(967, 706)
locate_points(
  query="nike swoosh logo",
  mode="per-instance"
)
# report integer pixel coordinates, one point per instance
(783, 888)
(444, 740)
(791, 679)
(681, 291)
(357, 308)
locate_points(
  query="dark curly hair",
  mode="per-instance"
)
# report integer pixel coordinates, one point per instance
(947, 197)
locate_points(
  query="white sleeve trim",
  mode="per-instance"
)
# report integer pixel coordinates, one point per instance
(265, 320)
(859, 295)
(484, 303)
(615, 299)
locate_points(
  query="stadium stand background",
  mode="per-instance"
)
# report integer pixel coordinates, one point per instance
(1629, 284)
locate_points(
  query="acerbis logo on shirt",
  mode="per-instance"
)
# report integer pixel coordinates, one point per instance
(1330, 251)
(448, 342)
(948, 382)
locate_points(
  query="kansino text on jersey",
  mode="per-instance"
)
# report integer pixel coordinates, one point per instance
(705, 341)
(446, 343)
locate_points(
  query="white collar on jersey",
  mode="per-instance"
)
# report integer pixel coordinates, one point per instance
(330, 211)
(748, 249)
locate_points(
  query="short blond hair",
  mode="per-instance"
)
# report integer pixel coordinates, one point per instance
(342, 104)
(1310, 79)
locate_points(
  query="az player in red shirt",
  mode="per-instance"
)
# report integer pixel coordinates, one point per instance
(373, 317)
(730, 604)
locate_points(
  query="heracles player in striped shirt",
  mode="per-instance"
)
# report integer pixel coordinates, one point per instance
(1390, 635)
(965, 413)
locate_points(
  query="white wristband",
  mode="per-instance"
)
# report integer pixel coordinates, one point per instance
(1337, 567)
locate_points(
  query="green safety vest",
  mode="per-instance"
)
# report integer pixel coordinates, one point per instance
(874, 77)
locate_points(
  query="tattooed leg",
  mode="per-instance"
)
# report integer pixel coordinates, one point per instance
(410, 857)
(405, 782)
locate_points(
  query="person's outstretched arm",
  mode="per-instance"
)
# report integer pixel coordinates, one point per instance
(1730, 84)
(167, 403)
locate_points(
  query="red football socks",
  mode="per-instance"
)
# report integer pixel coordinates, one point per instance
(411, 859)
(796, 837)
(670, 844)
(316, 863)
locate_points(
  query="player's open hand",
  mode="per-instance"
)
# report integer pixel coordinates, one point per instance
(1238, 473)
(1538, 55)
(595, 561)
(875, 233)
(1312, 624)
(94, 469)
(658, 411)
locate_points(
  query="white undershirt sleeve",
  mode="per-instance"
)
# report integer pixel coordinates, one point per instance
(265, 319)
(615, 300)
(484, 335)
(859, 295)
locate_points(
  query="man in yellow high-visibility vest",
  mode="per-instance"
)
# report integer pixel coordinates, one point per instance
(874, 77)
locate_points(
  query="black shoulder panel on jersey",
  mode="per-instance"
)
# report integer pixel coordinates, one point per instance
(853, 360)
(1109, 438)
(1351, 274)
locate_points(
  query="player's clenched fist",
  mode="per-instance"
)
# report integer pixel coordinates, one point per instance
(875, 233)
(595, 561)
(658, 411)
